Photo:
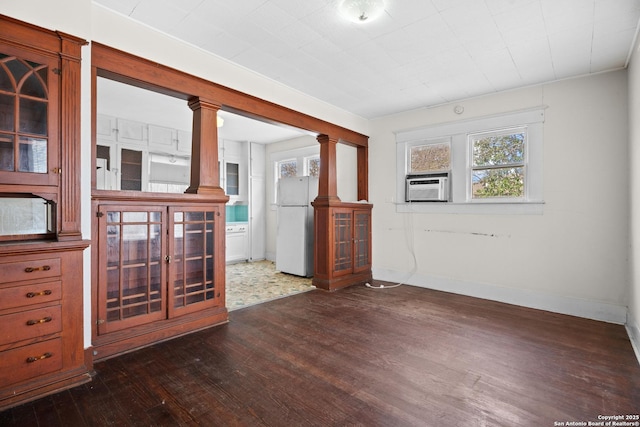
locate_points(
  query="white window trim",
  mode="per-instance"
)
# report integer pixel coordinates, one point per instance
(308, 160)
(532, 203)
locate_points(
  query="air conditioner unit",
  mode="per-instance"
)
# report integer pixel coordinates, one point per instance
(427, 188)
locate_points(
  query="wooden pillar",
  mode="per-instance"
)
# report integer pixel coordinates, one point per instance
(363, 172)
(205, 171)
(70, 140)
(327, 181)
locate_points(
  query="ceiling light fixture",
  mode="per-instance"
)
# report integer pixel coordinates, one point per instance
(361, 11)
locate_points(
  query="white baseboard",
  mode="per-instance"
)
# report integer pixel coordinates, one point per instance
(589, 309)
(633, 329)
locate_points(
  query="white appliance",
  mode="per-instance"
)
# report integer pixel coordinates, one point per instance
(294, 236)
(427, 188)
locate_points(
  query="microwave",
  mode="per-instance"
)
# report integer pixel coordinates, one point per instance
(427, 188)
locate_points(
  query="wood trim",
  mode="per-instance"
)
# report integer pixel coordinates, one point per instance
(128, 68)
(205, 172)
(70, 140)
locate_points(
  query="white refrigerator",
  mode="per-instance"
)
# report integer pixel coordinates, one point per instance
(294, 236)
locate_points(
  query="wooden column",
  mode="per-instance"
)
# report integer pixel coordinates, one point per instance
(328, 184)
(205, 171)
(70, 141)
(363, 172)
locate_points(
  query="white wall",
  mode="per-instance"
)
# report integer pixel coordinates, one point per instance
(633, 325)
(570, 259)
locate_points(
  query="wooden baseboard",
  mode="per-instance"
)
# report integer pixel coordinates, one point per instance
(118, 343)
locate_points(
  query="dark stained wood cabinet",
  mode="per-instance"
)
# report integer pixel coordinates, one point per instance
(41, 249)
(343, 256)
(161, 267)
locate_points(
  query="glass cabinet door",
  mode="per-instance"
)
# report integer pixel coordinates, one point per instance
(132, 281)
(361, 237)
(191, 269)
(28, 119)
(342, 223)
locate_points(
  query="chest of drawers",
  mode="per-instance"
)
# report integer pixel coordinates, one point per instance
(41, 333)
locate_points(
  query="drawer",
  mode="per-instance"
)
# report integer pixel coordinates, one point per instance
(29, 269)
(19, 296)
(30, 361)
(30, 324)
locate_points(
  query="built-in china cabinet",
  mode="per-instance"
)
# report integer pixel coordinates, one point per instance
(158, 209)
(41, 248)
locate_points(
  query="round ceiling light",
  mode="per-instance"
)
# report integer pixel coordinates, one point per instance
(361, 11)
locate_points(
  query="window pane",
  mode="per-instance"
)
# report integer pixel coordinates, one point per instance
(498, 149)
(287, 168)
(499, 182)
(429, 158)
(314, 167)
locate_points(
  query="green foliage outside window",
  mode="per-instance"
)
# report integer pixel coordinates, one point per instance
(498, 166)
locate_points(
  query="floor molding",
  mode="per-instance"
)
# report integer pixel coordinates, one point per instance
(589, 309)
(633, 329)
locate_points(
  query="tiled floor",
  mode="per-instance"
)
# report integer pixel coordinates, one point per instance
(251, 283)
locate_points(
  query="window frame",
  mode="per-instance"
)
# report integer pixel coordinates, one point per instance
(435, 141)
(461, 161)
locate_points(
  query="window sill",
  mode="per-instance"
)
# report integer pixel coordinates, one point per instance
(485, 208)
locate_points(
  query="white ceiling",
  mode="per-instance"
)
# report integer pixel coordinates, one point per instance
(420, 53)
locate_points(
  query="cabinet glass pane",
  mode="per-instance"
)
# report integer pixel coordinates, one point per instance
(34, 87)
(233, 179)
(33, 117)
(193, 258)
(133, 265)
(131, 170)
(361, 240)
(342, 223)
(26, 216)
(33, 155)
(7, 112)
(6, 152)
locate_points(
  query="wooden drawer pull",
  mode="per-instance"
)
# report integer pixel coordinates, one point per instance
(36, 358)
(38, 294)
(37, 322)
(32, 269)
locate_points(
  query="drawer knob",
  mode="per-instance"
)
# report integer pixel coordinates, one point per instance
(38, 294)
(32, 269)
(37, 322)
(36, 358)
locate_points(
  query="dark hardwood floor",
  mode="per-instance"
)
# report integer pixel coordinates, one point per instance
(395, 357)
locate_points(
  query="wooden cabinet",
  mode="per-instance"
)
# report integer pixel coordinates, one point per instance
(158, 265)
(343, 251)
(41, 248)
(41, 339)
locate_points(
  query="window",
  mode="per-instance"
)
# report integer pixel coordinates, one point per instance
(287, 168)
(312, 166)
(429, 157)
(498, 164)
(494, 160)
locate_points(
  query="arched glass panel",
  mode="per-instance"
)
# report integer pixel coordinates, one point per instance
(33, 87)
(6, 83)
(17, 68)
